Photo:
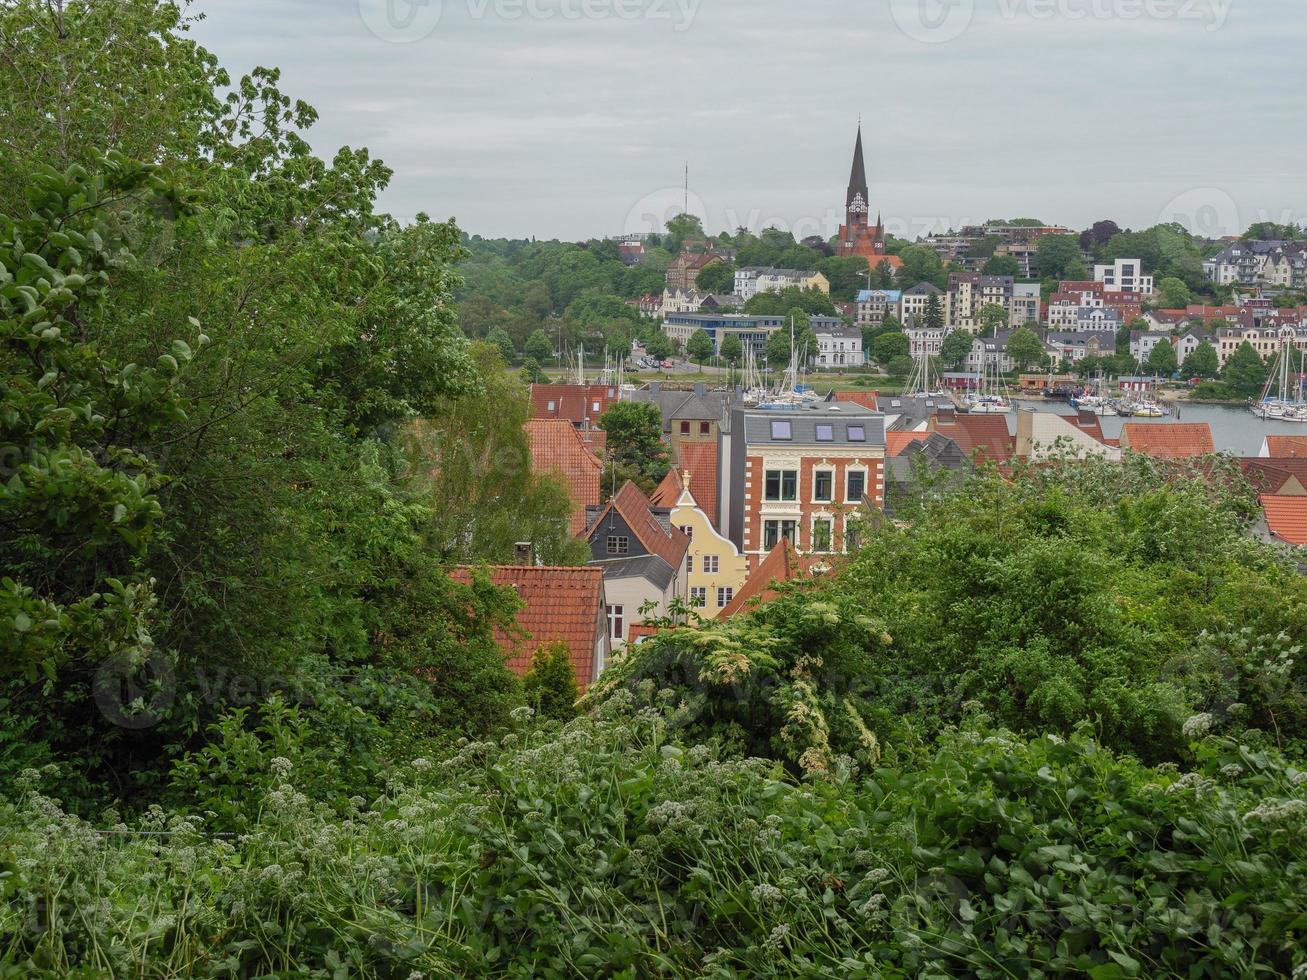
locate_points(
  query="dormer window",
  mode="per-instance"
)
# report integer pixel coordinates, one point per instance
(781, 429)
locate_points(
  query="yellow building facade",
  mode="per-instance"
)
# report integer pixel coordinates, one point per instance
(715, 568)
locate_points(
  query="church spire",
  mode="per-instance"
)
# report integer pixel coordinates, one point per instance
(858, 175)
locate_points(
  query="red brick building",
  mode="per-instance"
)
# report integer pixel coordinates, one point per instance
(800, 474)
(857, 235)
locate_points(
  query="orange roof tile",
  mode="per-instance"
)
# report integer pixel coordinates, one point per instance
(1287, 518)
(1168, 440)
(669, 544)
(699, 459)
(896, 442)
(783, 564)
(669, 491)
(564, 604)
(1284, 446)
(558, 449)
(867, 399)
(1269, 475)
(576, 403)
(985, 436)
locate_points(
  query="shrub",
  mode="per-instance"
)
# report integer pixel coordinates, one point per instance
(549, 686)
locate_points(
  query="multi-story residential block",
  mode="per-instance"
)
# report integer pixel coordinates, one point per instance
(1240, 262)
(1124, 276)
(988, 353)
(752, 280)
(753, 332)
(1267, 338)
(1025, 252)
(838, 345)
(683, 271)
(875, 304)
(801, 475)
(1075, 345)
(927, 340)
(970, 292)
(913, 302)
(1142, 342)
(1026, 304)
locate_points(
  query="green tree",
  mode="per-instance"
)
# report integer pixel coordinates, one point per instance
(732, 351)
(1245, 372)
(1058, 257)
(847, 275)
(717, 278)
(1161, 360)
(934, 313)
(956, 347)
(532, 372)
(503, 343)
(683, 231)
(1202, 362)
(888, 346)
(1025, 348)
(805, 341)
(538, 347)
(993, 318)
(921, 263)
(549, 685)
(659, 346)
(900, 366)
(811, 301)
(1002, 265)
(699, 346)
(635, 441)
(1173, 294)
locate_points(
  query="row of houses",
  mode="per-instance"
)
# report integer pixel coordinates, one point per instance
(1277, 264)
(757, 497)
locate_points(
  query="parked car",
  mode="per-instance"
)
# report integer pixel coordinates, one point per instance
(666, 364)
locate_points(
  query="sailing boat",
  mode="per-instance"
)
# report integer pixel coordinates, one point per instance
(1288, 404)
(1094, 401)
(991, 398)
(919, 381)
(789, 393)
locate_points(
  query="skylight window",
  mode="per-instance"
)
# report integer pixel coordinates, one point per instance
(857, 433)
(825, 433)
(780, 429)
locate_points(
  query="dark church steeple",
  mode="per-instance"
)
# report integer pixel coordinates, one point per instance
(858, 193)
(857, 235)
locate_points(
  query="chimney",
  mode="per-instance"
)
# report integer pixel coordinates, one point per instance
(700, 388)
(524, 553)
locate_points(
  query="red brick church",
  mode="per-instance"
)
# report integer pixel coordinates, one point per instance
(857, 237)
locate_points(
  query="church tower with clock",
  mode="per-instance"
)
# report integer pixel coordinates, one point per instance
(857, 235)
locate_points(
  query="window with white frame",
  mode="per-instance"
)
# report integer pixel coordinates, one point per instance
(780, 485)
(821, 534)
(855, 486)
(724, 595)
(619, 544)
(617, 622)
(774, 531)
(698, 596)
(710, 564)
(823, 486)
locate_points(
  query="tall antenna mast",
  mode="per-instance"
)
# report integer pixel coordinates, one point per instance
(687, 188)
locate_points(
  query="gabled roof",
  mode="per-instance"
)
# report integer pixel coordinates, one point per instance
(897, 442)
(1287, 518)
(576, 403)
(1286, 446)
(649, 567)
(1276, 476)
(559, 604)
(558, 448)
(985, 436)
(669, 491)
(699, 460)
(784, 564)
(1171, 440)
(668, 543)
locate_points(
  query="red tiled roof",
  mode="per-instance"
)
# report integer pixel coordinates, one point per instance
(1270, 475)
(1287, 518)
(867, 399)
(896, 442)
(1286, 446)
(634, 508)
(699, 459)
(557, 448)
(1168, 440)
(985, 436)
(576, 403)
(669, 491)
(1087, 422)
(784, 564)
(564, 604)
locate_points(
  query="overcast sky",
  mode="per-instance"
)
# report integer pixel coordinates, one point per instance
(575, 118)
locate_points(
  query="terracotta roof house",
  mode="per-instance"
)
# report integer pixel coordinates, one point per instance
(1286, 517)
(576, 403)
(937, 453)
(983, 437)
(1176, 440)
(558, 449)
(700, 460)
(560, 604)
(1041, 435)
(782, 565)
(642, 558)
(896, 442)
(1284, 446)
(1279, 477)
